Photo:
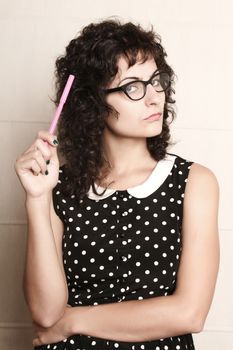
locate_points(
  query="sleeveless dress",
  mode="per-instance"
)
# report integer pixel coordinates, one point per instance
(124, 245)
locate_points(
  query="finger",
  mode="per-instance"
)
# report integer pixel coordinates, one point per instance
(50, 138)
(42, 141)
(44, 149)
(31, 148)
(32, 166)
(33, 161)
(27, 165)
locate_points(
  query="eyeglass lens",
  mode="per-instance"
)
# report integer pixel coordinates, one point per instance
(137, 89)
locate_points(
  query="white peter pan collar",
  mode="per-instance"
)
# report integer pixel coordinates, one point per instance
(152, 183)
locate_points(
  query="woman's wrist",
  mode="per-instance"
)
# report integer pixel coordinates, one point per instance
(38, 208)
(77, 319)
(43, 200)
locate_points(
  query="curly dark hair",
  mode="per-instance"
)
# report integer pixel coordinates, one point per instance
(93, 58)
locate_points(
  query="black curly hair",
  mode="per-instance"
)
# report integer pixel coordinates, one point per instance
(93, 58)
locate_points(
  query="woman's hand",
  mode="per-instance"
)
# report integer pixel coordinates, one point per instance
(58, 332)
(38, 177)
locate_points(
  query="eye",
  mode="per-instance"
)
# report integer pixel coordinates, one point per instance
(155, 81)
(131, 88)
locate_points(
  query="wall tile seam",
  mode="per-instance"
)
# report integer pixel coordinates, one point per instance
(31, 17)
(188, 21)
(23, 121)
(15, 325)
(13, 223)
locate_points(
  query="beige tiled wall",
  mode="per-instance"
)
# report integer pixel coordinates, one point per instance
(198, 39)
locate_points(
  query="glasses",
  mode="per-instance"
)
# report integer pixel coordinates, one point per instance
(136, 89)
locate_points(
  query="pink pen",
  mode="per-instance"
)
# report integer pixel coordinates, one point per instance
(61, 103)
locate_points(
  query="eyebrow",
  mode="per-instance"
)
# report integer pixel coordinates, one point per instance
(128, 78)
(137, 78)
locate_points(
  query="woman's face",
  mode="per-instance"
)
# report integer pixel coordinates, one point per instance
(131, 120)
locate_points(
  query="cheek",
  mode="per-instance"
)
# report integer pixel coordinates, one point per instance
(126, 121)
(125, 109)
(120, 122)
(164, 98)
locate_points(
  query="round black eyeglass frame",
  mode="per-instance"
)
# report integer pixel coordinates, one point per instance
(145, 83)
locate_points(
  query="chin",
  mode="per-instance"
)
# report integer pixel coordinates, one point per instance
(155, 132)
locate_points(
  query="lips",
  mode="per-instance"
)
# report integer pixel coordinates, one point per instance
(154, 116)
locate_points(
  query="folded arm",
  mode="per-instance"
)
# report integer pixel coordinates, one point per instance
(186, 310)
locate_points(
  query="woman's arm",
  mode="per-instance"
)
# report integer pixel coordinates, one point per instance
(44, 279)
(186, 310)
(45, 285)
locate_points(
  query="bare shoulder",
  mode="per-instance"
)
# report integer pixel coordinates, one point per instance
(201, 202)
(202, 178)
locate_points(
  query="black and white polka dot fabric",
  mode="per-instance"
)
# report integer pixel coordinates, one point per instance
(125, 245)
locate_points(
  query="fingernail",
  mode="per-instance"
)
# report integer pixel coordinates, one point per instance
(55, 142)
(47, 161)
(46, 172)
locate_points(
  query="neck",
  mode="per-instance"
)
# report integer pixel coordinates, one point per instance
(126, 154)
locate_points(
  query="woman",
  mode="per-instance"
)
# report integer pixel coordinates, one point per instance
(122, 248)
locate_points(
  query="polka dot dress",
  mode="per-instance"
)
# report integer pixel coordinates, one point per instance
(124, 245)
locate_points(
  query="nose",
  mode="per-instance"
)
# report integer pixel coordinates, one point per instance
(152, 96)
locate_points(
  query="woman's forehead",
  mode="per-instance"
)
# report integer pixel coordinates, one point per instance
(139, 70)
